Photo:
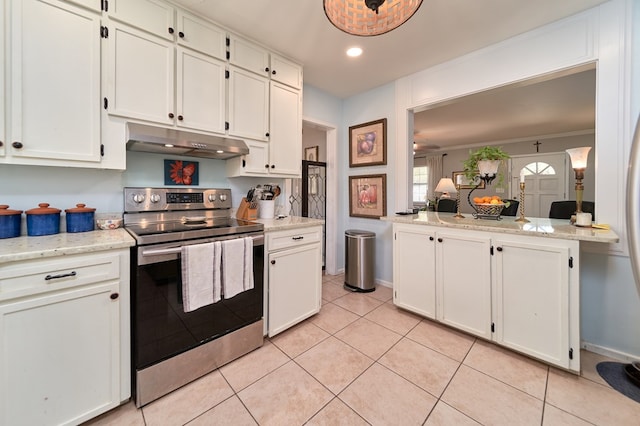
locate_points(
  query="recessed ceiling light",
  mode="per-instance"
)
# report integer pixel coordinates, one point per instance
(168, 145)
(354, 51)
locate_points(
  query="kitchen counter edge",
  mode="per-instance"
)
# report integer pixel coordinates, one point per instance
(63, 244)
(537, 227)
(289, 222)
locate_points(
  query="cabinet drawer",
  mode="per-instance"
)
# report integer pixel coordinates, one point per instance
(40, 276)
(294, 237)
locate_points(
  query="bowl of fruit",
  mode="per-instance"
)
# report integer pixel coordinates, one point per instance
(489, 205)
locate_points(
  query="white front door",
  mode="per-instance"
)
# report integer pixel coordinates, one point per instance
(545, 181)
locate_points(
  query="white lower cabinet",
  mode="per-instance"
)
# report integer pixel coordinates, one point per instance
(64, 340)
(536, 298)
(463, 281)
(414, 273)
(520, 291)
(294, 271)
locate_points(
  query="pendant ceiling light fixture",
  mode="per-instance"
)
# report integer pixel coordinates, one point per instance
(369, 17)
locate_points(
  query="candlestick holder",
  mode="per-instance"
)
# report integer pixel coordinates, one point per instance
(458, 215)
(522, 219)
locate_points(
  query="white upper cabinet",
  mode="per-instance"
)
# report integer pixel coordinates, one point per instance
(3, 60)
(247, 55)
(285, 130)
(153, 16)
(286, 72)
(140, 75)
(54, 84)
(200, 91)
(200, 35)
(95, 5)
(248, 105)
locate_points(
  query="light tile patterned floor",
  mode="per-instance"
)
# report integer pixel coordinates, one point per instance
(363, 361)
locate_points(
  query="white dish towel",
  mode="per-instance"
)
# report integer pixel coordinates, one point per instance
(237, 266)
(197, 276)
(217, 271)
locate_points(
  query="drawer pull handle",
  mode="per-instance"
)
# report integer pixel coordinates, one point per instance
(114, 296)
(297, 238)
(55, 277)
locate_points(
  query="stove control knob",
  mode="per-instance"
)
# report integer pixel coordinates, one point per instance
(138, 198)
(154, 198)
(223, 197)
(212, 197)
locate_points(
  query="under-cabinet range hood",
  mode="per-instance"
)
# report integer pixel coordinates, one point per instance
(145, 138)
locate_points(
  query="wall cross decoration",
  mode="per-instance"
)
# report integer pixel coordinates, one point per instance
(537, 144)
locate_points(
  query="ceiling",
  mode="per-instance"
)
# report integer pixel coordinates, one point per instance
(439, 31)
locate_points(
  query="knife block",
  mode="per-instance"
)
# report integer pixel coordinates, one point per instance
(245, 212)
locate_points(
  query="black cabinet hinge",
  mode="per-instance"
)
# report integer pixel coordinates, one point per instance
(105, 103)
(226, 73)
(570, 353)
(228, 55)
(571, 262)
(226, 125)
(493, 328)
(104, 32)
(101, 150)
(104, 5)
(228, 41)
(491, 250)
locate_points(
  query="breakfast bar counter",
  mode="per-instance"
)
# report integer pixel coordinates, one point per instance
(539, 227)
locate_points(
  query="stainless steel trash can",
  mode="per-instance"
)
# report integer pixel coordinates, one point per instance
(359, 258)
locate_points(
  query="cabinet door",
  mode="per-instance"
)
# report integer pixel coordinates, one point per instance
(285, 130)
(94, 5)
(532, 299)
(295, 279)
(248, 105)
(3, 134)
(59, 356)
(249, 56)
(285, 71)
(200, 91)
(153, 16)
(202, 36)
(140, 75)
(414, 275)
(463, 276)
(55, 83)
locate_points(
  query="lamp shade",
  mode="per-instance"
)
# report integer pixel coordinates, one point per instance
(445, 186)
(369, 17)
(579, 157)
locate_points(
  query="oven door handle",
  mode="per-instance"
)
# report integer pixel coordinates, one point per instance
(159, 252)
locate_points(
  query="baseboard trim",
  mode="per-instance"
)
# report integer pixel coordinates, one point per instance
(608, 352)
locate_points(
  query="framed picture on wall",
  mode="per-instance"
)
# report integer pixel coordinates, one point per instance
(465, 183)
(368, 144)
(368, 196)
(178, 172)
(311, 153)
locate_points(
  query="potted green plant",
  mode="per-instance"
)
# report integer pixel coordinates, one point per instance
(485, 162)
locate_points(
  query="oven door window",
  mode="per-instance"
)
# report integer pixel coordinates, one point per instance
(161, 327)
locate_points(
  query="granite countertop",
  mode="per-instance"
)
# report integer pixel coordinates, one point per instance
(288, 222)
(25, 248)
(539, 227)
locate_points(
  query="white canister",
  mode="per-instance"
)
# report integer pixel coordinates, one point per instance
(583, 219)
(266, 209)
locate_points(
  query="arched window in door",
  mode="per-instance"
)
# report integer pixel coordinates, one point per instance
(538, 168)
